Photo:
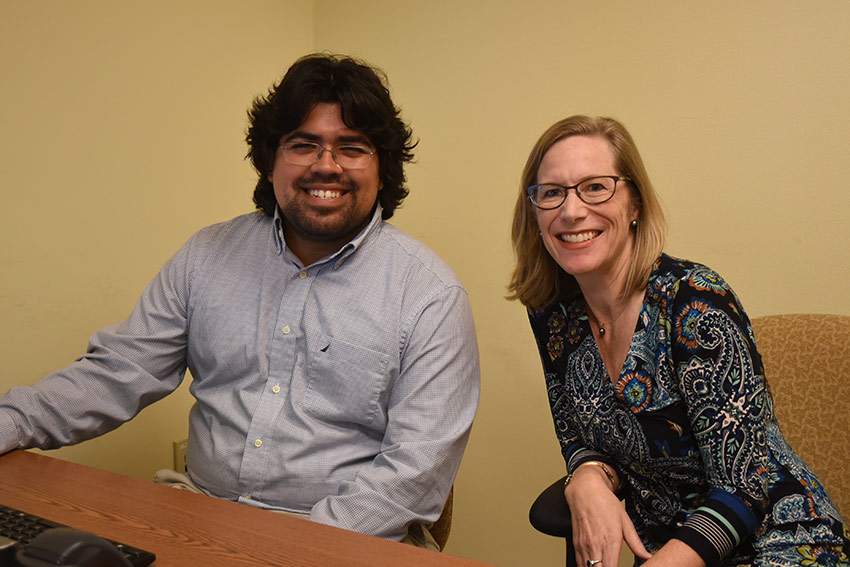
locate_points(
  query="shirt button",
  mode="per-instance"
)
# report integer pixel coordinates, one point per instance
(258, 443)
(276, 388)
(286, 330)
(302, 275)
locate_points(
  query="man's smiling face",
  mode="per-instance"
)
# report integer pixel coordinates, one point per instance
(323, 205)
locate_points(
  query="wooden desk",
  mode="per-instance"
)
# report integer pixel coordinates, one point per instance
(185, 529)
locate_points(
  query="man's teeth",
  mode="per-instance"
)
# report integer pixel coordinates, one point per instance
(322, 194)
(580, 237)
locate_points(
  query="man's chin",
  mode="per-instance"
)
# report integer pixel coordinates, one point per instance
(324, 229)
(319, 224)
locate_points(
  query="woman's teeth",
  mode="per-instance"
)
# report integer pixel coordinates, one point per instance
(580, 237)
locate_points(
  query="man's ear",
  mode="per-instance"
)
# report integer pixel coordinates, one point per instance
(272, 162)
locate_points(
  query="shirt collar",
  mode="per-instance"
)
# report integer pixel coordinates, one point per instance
(341, 255)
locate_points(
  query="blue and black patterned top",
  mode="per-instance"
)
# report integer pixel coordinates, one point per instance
(689, 425)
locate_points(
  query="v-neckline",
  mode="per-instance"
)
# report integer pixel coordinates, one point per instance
(606, 372)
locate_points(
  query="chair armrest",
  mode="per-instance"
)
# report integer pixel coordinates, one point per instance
(550, 514)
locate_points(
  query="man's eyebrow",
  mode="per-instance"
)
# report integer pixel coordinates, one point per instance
(355, 139)
(348, 139)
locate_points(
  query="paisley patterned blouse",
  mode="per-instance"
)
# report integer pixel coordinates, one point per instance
(689, 425)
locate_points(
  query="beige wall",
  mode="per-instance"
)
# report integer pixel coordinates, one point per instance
(122, 133)
(740, 111)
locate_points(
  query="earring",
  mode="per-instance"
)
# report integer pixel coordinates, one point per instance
(634, 223)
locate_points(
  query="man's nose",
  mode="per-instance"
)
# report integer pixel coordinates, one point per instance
(326, 160)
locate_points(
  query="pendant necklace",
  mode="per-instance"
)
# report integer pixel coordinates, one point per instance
(602, 324)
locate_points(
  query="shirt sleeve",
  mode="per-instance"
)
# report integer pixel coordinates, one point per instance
(722, 383)
(431, 408)
(557, 332)
(125, 368)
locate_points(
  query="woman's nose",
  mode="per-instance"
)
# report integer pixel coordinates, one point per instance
(573, 207)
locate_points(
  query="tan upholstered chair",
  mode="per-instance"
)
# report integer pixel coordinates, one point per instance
(807, 365)
(441, 528)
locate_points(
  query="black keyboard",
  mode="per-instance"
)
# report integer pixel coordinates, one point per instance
(22, 527)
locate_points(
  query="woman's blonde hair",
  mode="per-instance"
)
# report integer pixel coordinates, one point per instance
(538, 280)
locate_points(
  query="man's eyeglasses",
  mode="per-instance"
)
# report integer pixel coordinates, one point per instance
(593, 191)
(347, 156)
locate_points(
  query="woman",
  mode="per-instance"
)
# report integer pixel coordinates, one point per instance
(656, 388)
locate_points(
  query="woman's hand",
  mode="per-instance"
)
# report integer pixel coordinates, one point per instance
(600, 524)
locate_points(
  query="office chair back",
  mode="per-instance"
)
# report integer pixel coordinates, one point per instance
(807, 365)
(443, 526)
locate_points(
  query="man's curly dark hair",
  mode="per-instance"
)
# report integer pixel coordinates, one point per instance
(365, 106)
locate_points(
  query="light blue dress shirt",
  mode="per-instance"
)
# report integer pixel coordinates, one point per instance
(345, 389)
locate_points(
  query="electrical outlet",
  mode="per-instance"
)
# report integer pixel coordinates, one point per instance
(179, 449)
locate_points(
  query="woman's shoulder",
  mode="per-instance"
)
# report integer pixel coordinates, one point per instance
(670, 271)
(568, 307)
(561, 318)
(684, 287)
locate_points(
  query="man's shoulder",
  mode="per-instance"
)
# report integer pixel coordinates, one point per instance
(247, 221)
(412, 256)
(240, 226)
(242, 233)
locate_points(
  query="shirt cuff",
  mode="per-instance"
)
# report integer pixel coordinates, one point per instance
(8, 433)
(584, 455)
(716, 528)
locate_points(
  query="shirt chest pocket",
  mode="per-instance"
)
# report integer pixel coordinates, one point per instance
(347, 383)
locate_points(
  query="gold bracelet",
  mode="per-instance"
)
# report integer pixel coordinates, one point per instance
(599, 464)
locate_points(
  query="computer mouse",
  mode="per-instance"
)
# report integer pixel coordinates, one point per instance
(70, 547)
(8, 549)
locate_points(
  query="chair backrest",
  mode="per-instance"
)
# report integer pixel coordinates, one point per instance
(807, 365)
(441, 528)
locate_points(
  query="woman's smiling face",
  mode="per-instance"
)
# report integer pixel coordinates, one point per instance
(587, 240)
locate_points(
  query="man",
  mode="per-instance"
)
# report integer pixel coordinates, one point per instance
(334, 358)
